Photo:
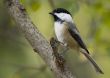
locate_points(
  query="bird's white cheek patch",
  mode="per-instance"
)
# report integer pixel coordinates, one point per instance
(64, 16)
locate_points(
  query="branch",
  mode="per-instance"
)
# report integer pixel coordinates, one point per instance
(37, 40)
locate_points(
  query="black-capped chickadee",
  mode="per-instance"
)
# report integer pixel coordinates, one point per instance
(67, 34)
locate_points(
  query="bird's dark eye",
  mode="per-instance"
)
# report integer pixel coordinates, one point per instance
(56, 18)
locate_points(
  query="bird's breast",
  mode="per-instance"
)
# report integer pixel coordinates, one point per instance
(59, 31)
(63, 35)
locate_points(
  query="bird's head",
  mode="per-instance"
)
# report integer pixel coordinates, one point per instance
(61, 14)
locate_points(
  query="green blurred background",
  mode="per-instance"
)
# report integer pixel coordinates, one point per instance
(92, 17)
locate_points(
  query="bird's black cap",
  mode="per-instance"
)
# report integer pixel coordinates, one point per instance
(60, 10)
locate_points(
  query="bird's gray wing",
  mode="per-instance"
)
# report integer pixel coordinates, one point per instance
(75, 34)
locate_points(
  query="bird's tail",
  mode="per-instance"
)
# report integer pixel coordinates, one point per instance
(93, 63)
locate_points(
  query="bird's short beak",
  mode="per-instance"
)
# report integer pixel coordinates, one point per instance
(51, 13)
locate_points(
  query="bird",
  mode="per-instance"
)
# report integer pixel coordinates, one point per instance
(68, 34)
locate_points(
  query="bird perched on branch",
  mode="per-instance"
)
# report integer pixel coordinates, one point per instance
(68, 35)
